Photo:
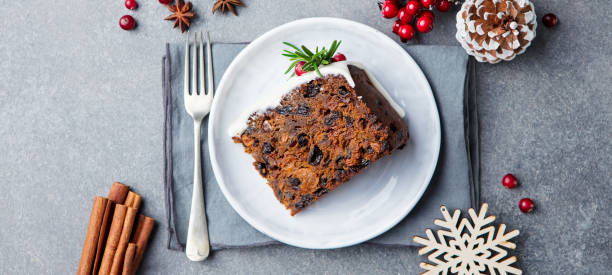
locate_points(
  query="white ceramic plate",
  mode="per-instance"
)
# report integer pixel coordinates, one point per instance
(370, 203)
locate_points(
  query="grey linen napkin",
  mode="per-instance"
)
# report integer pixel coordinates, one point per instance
(455, 183)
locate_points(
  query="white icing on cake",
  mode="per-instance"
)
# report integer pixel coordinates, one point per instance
(381, 89)
(273, 98)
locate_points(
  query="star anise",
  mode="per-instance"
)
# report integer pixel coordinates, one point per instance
(181, 14)
(227, 4)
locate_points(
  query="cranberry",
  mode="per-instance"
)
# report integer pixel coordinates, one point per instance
(396, 26)
(425, 23)
(298, 68)
(338, 57)
(127, 22)
(131, 4)
(526, 205)
(413, 7)
(509, 181)
(427, 13)
(443, 5)
(165, 1)
(389, 9)
(406, 32)
(404, 16)
(428, 3)
(550, 20)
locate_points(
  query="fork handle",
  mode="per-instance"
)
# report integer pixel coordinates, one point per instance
(198, 246)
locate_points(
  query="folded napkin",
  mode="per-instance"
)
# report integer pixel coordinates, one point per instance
(455, 183)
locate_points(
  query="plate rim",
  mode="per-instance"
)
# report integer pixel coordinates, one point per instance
(219, 92)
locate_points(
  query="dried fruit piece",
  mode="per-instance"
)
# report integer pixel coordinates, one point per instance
(311, 90)
(267, 148)
(302, 140)
(303, 110)
(315, 156)
(295, 182)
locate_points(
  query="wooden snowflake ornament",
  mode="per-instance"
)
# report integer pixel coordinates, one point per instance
(468, 248)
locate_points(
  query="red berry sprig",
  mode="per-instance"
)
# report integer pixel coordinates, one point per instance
(443, 5)
(428, 3)
(425, 22)
(413, 7)
(406, 32)
(389, 9)
(414, 14)
(398, 23)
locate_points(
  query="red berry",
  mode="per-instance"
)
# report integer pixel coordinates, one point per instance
(404, 16)
(424, 23)
(427, 13)
(338, 57)
(127, 22)
(509, 181)
(396, 26)
(413, 7)
(550, 20)
(389, 10)
(298, 68)
(428, 3)
(443, 5)
(526, 205)
(131, 4)
(406, 32)
(165, 1)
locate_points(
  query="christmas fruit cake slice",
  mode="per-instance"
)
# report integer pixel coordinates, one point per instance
(329, 123)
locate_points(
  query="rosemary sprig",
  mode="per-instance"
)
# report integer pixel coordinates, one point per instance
(313, 59)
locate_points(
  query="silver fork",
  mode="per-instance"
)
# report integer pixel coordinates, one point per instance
(197, 104)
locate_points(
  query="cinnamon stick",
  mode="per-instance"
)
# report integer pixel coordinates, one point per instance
(126, 232)
(93, 233)
(114, 235)
(141, 236)
(108, 213)
(128, 263)
(133, 199)
(117, 194)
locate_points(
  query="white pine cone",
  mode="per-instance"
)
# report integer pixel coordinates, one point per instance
(495, 30)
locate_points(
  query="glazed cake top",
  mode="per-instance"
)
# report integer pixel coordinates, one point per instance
(271, 99)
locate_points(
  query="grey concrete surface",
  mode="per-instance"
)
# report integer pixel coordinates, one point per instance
(81, 107)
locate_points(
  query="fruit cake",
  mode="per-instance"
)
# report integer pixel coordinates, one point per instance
(326, 127)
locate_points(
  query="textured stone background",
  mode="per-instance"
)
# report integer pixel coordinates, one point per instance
(81, 107)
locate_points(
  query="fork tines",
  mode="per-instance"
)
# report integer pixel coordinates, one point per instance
(196, 85)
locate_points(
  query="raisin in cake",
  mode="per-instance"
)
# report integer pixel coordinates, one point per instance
(320, 132)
